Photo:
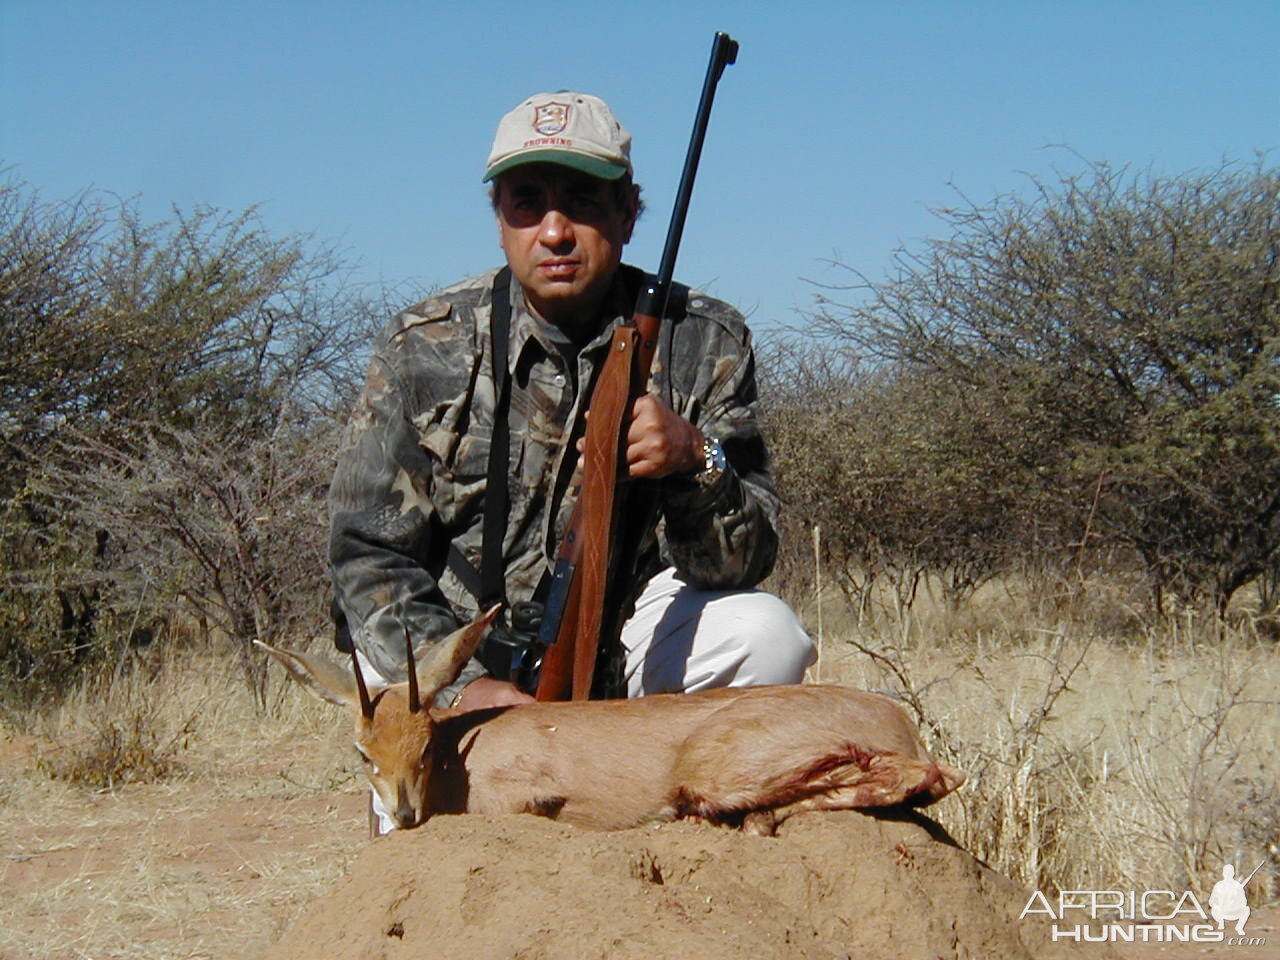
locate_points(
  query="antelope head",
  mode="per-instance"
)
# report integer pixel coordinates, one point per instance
(393, 727)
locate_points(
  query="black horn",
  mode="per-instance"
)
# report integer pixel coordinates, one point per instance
(366, 705)
(415, 704)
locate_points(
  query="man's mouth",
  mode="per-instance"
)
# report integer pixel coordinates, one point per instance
(559, 269)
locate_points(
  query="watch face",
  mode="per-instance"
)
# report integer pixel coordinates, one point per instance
(715, 463)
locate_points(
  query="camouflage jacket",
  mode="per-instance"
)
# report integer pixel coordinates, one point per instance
(411, 473)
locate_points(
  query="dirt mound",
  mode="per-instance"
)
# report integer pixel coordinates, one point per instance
(831, 885)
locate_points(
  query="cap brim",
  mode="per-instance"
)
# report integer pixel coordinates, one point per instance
(578, 161)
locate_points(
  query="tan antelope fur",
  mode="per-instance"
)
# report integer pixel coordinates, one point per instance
(749, 756)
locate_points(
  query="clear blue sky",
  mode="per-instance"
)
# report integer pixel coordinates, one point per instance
(368, 123)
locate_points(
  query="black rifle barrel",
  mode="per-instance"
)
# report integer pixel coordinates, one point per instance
(653, 299)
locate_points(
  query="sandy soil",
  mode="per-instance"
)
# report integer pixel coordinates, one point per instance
(210, 867)
(205, 866)
(838, 885)
(835, 885)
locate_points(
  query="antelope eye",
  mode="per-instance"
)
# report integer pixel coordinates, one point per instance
(364, 757)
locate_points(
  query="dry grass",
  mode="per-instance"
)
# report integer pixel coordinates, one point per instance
(1093, 763)
(251, 820)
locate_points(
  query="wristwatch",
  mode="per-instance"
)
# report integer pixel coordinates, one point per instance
(714, 465)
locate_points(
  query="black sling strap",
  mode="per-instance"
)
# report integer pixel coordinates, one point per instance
(493, 585)
(488, 585)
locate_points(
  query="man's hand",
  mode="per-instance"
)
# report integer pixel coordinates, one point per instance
(660, 442)
(487, 692)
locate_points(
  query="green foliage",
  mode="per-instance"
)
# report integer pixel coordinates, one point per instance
(1098, 362)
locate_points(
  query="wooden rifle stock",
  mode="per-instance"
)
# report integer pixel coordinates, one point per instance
(574, 611)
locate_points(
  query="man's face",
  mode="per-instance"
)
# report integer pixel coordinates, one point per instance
(563, 233)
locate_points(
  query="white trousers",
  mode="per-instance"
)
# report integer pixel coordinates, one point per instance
(681, 639)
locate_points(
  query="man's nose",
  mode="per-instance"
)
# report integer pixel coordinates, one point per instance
(556, 229)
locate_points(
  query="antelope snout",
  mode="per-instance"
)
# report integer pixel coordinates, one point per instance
(405, 814)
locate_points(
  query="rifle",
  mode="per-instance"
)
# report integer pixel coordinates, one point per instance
(570, 629)
(1250, 876)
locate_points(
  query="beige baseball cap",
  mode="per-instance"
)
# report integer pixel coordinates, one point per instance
(573, 129)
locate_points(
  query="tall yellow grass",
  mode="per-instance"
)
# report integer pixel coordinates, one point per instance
(1094, 762)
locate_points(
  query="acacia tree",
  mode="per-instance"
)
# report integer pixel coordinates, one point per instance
(233, 533)
(133, 348)
(1126, 328)
(900, 468)
(206, 316)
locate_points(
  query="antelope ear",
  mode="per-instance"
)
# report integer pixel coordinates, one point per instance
(445, 662)
(322, 677)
